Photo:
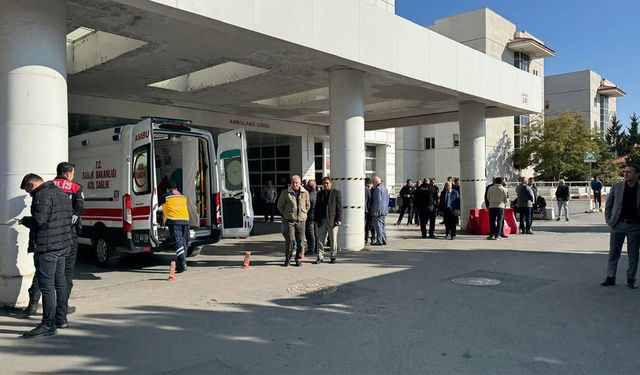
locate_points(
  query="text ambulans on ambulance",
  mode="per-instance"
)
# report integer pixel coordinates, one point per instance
(124, 170)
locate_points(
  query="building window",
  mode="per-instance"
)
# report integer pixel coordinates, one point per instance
(429, 143)
(518, 135)
(546, 104)
(370, 161)
(521, 61)
(456, 140)
(604, 113)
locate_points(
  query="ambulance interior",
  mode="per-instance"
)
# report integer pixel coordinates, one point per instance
(185, 161)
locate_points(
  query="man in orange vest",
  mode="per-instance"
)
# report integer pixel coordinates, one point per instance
(175, 215)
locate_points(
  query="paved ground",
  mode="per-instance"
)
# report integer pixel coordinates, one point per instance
(395, 311)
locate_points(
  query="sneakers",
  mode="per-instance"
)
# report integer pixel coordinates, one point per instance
(491, 238)
(609, 281)
(558, 219)
(62, 325)
(41, 330)
(631, 284)
(333, 261)
(318, 261)
(298, 263)
(71, 310)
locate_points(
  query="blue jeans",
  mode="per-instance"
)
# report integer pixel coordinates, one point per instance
(496, 221)
(618, 233)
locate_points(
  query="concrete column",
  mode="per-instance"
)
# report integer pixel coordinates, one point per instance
(33, 123)
(472, 157)
(346, 94)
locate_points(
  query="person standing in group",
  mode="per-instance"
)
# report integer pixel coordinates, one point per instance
(368, 229)
(596, 187)
(622, 213)
(327, 218)
(269, 196)
(65, 173)
(498, 197)
(426, 206)
(456, 185)
(294, 204)
(486, 191)
(406, 194)
(525, 206)
(50, 241)
(563, 196)
(310, 228)
(379, 209)
(450, 208)
(175, 215)
(416, 211)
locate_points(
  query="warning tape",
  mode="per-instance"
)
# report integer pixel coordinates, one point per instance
(347, 178)
(476, 180)
(354, 207)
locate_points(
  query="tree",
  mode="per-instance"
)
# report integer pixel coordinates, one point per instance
(616, 138)
(556, 147)
(633, 135)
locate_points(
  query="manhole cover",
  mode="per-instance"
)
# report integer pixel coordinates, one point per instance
(312, 288)
(476, 281)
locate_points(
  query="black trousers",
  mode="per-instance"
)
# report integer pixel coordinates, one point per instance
(427, 214)
(368, 230)
(310, 235)
(270, 209)
(409, 210)
(69, 266)
(450, 222)
(51, 279)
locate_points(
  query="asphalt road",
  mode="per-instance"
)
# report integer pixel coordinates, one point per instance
(385, 310)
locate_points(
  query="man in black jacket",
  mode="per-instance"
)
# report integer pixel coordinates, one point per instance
(50, 241)
(406, 194)
(426, 200)
(328, 217)
(310, 228)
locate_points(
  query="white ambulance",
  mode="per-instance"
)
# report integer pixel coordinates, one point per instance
(123, 171)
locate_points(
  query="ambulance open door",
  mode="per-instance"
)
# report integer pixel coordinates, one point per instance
(139, 206)
(235, 194)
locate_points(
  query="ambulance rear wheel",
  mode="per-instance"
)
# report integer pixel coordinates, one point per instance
(194, 251)
(106, 254)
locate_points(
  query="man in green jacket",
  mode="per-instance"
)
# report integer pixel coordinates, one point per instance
(294, 204)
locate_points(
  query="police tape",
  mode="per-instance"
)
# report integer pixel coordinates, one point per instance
(353, 207)
(347, 178)
(475, 180)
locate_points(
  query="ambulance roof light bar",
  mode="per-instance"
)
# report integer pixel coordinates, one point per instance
(170, 123)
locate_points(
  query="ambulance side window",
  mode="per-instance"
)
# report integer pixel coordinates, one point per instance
(141, 170)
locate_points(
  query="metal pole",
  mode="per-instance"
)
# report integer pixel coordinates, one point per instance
(589, 190)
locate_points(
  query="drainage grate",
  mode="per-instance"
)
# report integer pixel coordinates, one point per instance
(312, 289)
(476, 281)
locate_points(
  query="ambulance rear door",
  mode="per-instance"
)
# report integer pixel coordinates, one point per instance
(235, 194)
(143, 186)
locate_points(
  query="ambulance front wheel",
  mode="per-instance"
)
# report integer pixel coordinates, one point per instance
(106, 255)
(194, 251)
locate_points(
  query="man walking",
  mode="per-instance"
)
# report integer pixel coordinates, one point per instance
(328, 217)
(406, 194)
(294, 204)
(310, 228)
(596, 187)
(379, 209)
(562, 196)
(622, 213)
(269, 196)
(175, 215)
(450, 208)
(498, 197)
(525, 206)
(50, 241)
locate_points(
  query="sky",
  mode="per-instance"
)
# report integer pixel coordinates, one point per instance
(586, 34)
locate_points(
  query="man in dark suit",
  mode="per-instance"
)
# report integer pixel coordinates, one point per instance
(328, 217)
(450, 208)
(622, 213)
